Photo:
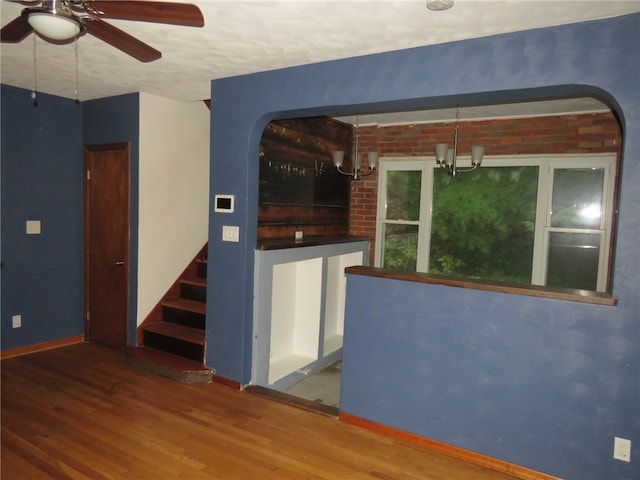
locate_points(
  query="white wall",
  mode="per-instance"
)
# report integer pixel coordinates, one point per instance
(174, 193)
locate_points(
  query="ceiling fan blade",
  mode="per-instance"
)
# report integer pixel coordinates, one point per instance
(15, 31)
(148, 11)
(122, 40)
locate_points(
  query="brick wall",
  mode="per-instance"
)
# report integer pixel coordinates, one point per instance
(587, 133)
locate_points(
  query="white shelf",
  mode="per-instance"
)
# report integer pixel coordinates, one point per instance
(295, 313)
(285, 365)
(299, 303)
(335, 298)
(332, 344)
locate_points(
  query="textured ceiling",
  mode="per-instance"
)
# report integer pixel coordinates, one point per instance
(242, 37)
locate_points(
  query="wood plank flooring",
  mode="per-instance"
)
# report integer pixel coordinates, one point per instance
(81, 412)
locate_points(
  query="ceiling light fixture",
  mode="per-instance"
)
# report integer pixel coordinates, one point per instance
(356, 160)
(447, 158)
(54, 21)
(439, 5)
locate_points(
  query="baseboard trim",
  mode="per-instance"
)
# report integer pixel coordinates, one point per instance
(446, 449)
(227, 382)
(39, 347)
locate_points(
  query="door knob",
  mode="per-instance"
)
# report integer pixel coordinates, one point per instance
(120, 262)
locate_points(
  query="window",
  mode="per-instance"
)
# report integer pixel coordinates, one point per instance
(523, 220)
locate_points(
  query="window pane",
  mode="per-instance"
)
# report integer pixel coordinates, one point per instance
(573, 260)
(403, 195)
(483, 224)
(400, 247)
(577, 197)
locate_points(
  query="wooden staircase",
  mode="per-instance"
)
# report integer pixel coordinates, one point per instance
(173, 336)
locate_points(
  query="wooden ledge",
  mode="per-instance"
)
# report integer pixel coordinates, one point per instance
(567, 294)
(282, 243)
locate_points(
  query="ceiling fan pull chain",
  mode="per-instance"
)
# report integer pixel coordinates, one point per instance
(34, 98)
(77, 75)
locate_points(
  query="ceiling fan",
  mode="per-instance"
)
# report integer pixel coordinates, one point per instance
(62, 21)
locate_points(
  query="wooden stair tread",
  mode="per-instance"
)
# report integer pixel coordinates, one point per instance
(186, 304)
(175, 330)
(197, 281)
(168, 365)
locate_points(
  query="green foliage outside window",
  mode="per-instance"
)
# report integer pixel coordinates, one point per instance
(483, 224)
(401, 247)
(403, 203)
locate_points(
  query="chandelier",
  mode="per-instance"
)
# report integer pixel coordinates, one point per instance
(356, 163)
(447, 158)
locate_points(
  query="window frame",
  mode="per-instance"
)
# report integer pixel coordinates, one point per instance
(547, 164)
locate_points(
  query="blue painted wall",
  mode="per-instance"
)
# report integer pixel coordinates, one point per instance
(541, 383)
(113, 120)
(41, 180)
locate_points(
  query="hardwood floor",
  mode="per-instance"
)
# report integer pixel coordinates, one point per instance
(81, 412)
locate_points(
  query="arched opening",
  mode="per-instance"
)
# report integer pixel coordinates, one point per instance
(575, 129)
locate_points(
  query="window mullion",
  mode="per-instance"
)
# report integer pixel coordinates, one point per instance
(541, 236)
(606, 224)
(380, 217)
(424, 229)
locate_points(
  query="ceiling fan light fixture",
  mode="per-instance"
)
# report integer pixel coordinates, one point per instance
(439, 5)
(54, 25)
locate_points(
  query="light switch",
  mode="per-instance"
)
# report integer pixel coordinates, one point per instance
(230, 233)
(33, 227)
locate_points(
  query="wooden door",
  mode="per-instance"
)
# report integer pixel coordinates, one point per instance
(106, 224)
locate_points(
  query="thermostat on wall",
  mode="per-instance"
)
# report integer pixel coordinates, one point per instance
(223, 203)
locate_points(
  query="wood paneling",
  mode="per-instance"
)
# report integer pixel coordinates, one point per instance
(81, 412)
(299, 187)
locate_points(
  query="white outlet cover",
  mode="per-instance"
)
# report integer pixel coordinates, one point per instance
(16, 321)
(33, 227)
(622, 449)
(230, 233)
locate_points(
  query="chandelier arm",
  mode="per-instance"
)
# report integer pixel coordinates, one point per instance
(343, 173)
(356, 174)
(467, 169)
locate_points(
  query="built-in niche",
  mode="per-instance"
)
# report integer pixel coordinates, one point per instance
(299, 307)
(299, 188)
(300, 285)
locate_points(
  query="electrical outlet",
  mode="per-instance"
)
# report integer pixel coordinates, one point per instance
(16, 321)
(622, 449)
